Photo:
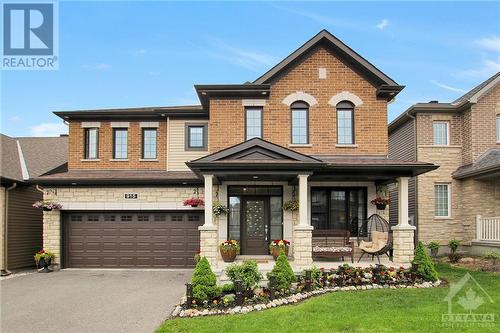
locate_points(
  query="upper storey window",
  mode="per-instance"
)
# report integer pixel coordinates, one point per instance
(149, 143)
(253, 123)
(91, 143)
(300, 131)
(196, 137)
(440, 132)
(345, 123)
(120, 143)
(498, 128)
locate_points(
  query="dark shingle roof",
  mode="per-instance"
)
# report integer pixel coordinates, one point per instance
(475, 90)
(488, 162)
(10, 166)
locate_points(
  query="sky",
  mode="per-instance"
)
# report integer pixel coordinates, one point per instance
(135, 54)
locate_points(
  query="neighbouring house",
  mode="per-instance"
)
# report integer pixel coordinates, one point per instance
(312, 129)
(461, 199)
(20, 223)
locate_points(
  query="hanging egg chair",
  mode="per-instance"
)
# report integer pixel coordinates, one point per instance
(374, 237)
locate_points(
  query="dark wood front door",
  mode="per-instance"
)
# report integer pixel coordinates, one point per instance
(255, 226)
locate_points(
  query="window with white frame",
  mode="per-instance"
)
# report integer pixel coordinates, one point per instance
(91, 143)
(440, 131)
(149, 143)
(253, 123)
(498, 128)
(442, 200)
(120, 138)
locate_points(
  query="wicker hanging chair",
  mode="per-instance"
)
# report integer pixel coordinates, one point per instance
(374, 237)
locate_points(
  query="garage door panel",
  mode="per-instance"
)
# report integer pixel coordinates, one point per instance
(131, 239)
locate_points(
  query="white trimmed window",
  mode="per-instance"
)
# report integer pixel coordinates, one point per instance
(91, 143)
(498, 128)
(442, 200)
(253, 123)
(120, 138)
(441, 133)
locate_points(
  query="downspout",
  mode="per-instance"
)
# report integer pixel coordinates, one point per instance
(5, 235)
(416, 211)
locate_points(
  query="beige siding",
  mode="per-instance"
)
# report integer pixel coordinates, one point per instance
(177, 155)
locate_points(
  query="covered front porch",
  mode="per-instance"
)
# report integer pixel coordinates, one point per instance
(255, 178)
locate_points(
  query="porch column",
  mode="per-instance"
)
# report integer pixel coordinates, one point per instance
(302, 233)
(208, 231)
(403, 233)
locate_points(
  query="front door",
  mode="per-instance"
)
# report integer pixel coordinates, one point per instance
(255, 226)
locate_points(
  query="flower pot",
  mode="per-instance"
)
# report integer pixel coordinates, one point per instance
(45, 264)
(47, 209)
(381, 206)
(194, 206)
(228, 255)
(434, 253)
(275, 251)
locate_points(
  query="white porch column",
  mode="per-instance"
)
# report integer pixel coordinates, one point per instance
(403, 233)
(302, 233)
(208, 231)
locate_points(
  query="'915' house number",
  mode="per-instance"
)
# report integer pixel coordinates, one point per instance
(131, 195)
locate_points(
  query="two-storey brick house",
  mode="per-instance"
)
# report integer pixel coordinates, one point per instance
(313, 129)
(461, 199)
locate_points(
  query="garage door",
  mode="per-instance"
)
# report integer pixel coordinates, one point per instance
(131, 239)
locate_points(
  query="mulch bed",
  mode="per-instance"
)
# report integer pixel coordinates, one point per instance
(475, 264)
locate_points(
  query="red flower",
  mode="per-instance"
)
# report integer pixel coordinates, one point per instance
(194, 202)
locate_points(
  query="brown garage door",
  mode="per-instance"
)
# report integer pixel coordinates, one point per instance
(131, 239)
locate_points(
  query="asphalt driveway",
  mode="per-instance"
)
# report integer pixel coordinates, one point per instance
(90, 300)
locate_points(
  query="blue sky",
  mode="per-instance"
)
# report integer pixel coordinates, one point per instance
(131, 54)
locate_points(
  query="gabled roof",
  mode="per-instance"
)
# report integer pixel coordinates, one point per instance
(475, 93)
(486, 164)
(11, 166)
(324, 37)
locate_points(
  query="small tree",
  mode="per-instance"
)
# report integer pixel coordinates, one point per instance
(283, 273)
(246, 272)
(423, 265)
(454, 244)
(204, 282)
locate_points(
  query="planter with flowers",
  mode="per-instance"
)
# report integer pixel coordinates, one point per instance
(381, 202)
(229, 249)
(194, 202)
(43, 259)
(278, 245)
(47, 205)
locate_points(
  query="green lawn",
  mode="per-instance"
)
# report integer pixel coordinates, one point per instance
(401, 310)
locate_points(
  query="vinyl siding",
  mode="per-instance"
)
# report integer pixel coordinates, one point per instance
(177, 155)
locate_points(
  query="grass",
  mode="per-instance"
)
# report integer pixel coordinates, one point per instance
(401, 310)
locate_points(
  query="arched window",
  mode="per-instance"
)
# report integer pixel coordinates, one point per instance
(300, 122)
(345, 123)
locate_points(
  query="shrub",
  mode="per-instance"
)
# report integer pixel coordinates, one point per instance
(228, 288)
(423, 264)
(204, 282)
(493, 256)
(433, 246)
(454, 244)
(246, 272)
(283, 273)
(454, 257)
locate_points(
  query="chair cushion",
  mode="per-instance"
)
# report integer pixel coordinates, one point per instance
(332, 249)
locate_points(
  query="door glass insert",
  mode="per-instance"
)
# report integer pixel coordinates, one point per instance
(276, 218)
(255, 218)
(234, 218)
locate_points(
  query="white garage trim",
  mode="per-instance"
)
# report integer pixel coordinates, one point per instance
(345, 96)
(300, 96)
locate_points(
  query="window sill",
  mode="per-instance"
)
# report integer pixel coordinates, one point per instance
(346, 145)
(443, 218)
(439, 146)
(118, 160)
(297, 145)
(148, 160)
(90, 160)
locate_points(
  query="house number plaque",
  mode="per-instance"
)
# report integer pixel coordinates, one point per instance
(131, 195)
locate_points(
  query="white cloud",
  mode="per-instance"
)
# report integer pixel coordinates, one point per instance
(488, 67)
(447, 87)
(383, 24)
(101, 66)
(49, 129)
(489, 43)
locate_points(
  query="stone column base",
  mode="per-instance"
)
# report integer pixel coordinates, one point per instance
(302, 245)
(209, 246)
(52, 234)
(403, 243)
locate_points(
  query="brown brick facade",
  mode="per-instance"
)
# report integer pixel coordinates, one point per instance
(227, 115)
(105, 160)
(425, 128)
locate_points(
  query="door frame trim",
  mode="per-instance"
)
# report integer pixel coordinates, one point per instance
(267, 216)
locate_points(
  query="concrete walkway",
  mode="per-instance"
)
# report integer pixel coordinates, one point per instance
(81, 301)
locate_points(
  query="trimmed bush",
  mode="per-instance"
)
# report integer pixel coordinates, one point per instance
(454, 244)
(246, 272)
(283, 273)
(204, 282)
(228, 288)
(423, 264)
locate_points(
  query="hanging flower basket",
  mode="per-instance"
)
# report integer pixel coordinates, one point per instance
(194, 202)
(229, 249)
(380, 203)
(291, 205)
(219, 209)
(278, 245)
(47, 205)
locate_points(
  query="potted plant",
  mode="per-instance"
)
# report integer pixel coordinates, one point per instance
(194, 202)
(219, 209)
(277, 245)
(229, 249)
(43, 259)
(380, 202)
(454, 256)
(47, 205)
(291, 205)
(434, 247)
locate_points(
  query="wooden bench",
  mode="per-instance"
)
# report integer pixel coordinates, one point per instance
(332, 244)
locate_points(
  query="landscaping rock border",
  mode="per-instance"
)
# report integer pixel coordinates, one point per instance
(179, 311)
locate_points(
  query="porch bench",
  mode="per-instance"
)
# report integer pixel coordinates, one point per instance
(332, 244)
